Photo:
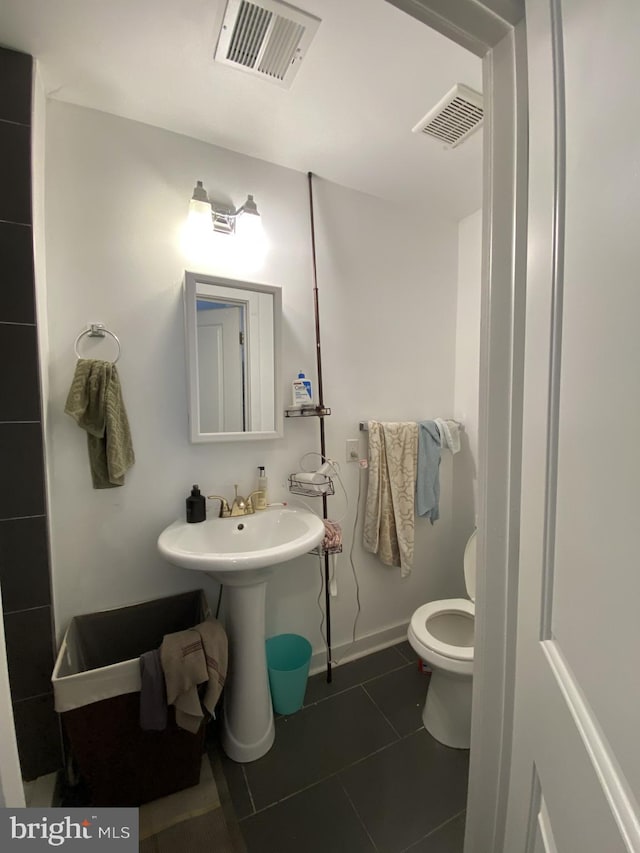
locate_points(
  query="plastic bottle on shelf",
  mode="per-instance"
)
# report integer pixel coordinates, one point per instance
(302, 392)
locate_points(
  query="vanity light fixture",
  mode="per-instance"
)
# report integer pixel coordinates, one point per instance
(204, 213)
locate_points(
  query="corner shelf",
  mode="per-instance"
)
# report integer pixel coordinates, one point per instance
(319, 551)
(308, 412)
(311, 490)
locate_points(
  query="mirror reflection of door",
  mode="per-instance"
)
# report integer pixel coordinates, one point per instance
(221, 347)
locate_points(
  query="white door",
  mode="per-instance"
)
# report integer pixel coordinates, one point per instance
(221, 374)
(575, 780)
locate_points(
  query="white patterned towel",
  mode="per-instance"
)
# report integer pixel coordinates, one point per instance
(389, 520)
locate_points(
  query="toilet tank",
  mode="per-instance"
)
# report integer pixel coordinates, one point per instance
(470, 566)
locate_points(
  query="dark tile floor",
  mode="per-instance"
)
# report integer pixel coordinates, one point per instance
(355, 771)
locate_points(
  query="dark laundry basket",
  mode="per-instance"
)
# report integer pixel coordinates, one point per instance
(96, 682)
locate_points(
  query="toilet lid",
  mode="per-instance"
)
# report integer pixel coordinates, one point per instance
(470, 566)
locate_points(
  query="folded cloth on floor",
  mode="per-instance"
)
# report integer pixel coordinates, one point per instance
(96, 404)
(428, 478)
(190, 658)
(153, 697)
(389, 522)
(332, 535)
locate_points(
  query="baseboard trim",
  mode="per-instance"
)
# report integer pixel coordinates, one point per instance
(366, 645)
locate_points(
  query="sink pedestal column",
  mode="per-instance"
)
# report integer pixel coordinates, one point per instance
(248, 731)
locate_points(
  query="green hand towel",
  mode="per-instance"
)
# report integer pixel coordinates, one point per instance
(95, 403)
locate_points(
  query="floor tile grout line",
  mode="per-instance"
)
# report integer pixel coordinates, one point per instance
(382, 713)
(376, 752)
(331, 775)
(433, 831)
(397, 650)
(246, 782)
(404, 665)
(289, 796)
(402, 655)
(357, 814)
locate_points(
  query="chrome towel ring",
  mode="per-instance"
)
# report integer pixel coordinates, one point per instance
(97, 330)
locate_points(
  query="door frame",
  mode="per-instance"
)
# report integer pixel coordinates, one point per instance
(495, 31)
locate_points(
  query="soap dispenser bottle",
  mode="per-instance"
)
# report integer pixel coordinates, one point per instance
(196, 506)
(261, 499)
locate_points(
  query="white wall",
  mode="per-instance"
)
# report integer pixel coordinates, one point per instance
(467, 378)
(116, 200)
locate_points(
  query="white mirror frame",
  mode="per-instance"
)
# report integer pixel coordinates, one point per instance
(200, 285)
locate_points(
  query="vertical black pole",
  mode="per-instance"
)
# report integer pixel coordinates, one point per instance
(323, 451)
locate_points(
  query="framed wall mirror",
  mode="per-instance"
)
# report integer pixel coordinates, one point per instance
(233, 337)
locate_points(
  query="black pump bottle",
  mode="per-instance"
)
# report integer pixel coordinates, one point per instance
(196, 506)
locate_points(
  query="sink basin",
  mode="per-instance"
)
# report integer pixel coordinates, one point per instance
(241, 553)
(240, 550)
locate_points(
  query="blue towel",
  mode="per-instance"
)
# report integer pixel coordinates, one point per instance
(428, 477)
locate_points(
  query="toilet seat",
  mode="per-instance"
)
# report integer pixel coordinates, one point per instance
(419, 627)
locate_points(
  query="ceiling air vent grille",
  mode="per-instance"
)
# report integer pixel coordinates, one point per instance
(455, 118)
(268, 39)
(248, 34)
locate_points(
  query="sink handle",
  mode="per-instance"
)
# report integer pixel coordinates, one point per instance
(225, 512)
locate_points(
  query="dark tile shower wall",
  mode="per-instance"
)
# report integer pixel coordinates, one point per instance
(24, 551)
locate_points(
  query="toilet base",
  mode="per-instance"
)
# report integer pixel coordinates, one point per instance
(447, 711)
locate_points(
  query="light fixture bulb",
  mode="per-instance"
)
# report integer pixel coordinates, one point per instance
(249, 221)
(199, 193)
(199, 221)
(250, 206)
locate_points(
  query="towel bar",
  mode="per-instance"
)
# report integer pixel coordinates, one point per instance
(97, 330)
(364, 425)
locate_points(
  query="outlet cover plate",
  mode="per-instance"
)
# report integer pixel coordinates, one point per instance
(353, 450)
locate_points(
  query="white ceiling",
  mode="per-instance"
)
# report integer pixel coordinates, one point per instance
(370, 75)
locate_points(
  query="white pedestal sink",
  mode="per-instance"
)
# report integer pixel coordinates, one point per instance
(241, 553)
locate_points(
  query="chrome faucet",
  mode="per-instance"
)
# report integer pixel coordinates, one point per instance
(240, 505)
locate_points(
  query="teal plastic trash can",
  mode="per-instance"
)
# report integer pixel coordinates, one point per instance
(288, 659)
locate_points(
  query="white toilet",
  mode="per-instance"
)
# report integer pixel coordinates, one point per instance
(441, 632)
